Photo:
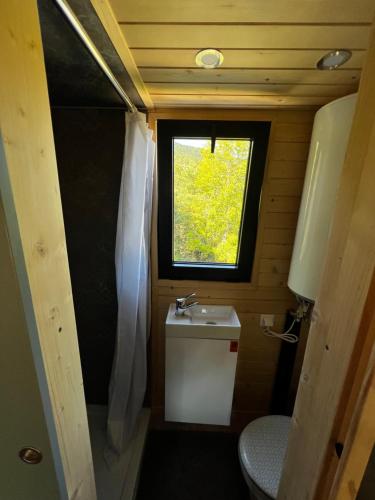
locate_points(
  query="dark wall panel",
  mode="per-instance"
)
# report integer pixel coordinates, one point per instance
(89, 148)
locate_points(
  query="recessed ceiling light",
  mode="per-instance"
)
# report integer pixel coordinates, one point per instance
(209, 58)
(334, 59)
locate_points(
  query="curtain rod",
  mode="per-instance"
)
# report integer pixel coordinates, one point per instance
(83, 35)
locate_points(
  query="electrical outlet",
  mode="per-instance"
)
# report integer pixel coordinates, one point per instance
(267, 319)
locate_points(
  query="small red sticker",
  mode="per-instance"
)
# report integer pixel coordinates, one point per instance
(233, 346)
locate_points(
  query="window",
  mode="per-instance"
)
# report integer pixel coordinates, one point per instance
(210, 178)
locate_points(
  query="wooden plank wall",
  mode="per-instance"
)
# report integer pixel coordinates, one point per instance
(338, 340)
(267, 293)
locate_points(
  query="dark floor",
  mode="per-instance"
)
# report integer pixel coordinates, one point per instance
(184, 465)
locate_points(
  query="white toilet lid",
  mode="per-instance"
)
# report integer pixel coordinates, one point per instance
(262, 450)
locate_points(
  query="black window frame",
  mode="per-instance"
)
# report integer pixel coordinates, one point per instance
(167, 130)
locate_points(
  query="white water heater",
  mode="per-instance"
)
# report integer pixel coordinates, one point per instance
(329, 139)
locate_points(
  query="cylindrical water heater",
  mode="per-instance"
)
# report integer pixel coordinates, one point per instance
(329, 139)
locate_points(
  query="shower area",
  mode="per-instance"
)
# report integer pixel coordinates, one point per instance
(88, 117)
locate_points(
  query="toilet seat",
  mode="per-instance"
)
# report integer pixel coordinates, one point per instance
(262, 448)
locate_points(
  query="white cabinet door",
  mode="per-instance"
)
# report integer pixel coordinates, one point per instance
(199, 380)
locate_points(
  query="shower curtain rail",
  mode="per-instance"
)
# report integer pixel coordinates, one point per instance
(89, 44)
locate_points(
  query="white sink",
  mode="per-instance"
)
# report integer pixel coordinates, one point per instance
(204, 321)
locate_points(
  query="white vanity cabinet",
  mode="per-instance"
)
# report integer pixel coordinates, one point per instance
(201, 357)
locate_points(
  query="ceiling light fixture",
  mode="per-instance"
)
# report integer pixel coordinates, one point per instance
(334, 59)
(209, 58)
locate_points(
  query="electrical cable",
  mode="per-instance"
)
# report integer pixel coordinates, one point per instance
(299, 314)
(287, 336)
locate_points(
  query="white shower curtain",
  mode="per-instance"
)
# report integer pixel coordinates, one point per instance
(129, 371)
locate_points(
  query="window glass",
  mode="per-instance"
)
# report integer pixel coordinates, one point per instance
(210, 175)
(208, 199)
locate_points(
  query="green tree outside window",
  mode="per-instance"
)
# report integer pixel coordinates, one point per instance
(209, 191)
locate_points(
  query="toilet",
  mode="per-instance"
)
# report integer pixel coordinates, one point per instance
(261, 449)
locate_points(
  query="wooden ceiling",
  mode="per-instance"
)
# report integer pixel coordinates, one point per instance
(270, 49)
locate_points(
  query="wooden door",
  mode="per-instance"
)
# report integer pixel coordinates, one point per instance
(23, 422)
(42, 398)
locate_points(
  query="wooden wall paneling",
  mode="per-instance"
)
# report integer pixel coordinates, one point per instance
(286, 76)
(248, 36)
(273, 251)
(243, 306)
(279, 236)
(214, 289)
(293, 132)
(245, 58)
(302, 116)
(276, 266)
(262, 89)
(287, 169)
(285, 187)
(267, 63)
(251, 322)
(281, 220)
(283, 204)
(290, 151)
(289, 11)
(272, 280)
(336, 321)
(107, 17)
(234, 101)
(267, 293)
(31, 184)
(285, 116)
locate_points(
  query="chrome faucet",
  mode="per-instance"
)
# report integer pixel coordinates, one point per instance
(182, 305)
